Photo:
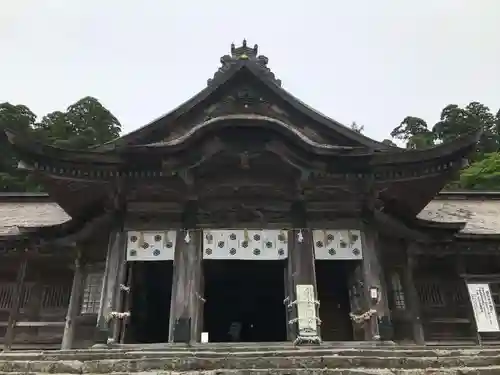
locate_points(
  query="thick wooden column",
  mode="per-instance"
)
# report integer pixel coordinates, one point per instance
(111, 285)
(412, 298)
(119, 297)
(185, 324)
(301, 262)
(127, 302)
(74, 305)
(16, 302)
(357, 300)
(374, 278)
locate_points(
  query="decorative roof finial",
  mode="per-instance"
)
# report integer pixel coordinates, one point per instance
(245, 54)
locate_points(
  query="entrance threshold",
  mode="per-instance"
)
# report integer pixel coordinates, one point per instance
(253, 346)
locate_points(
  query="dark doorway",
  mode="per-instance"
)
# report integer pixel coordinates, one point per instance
(244, 301)
(151, 295)
(333, 294)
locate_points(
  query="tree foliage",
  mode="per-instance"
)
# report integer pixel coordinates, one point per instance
(83, 124)
(357, 128)
(415, 132)
(454, 121)
(484, 174)
(20, 119)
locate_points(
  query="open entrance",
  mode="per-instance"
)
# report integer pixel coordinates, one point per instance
(333, 293)
(151, 295)
(244, 301)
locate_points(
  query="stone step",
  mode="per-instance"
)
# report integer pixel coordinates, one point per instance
(107, 366)
(117, 354)
(484, 370)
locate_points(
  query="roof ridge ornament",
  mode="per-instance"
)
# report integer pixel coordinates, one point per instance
(245, 55)
(244, 52)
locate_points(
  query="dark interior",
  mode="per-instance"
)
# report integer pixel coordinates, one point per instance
(151, 295)
(248, 294)
(333, 294)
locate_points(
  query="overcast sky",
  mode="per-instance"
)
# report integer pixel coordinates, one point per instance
(373, 62)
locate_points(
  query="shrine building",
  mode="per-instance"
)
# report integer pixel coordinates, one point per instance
(244, 215)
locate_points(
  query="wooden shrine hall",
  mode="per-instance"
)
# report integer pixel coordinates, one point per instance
(243, 215)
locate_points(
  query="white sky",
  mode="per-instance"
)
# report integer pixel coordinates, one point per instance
(373, 62)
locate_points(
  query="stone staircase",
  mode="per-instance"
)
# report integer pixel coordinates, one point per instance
(256, 359)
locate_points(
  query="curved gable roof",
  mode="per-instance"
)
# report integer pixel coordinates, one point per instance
(244, 59)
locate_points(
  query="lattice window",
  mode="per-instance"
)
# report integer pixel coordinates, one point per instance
(55, 296)
(495, 293)
(7, 293)
(459, 294)
(398, 292)
(430, 294)
(92, 292)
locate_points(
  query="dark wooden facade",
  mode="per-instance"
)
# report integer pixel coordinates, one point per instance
(243, 154)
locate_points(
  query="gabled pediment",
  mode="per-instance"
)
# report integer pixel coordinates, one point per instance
(245, 85)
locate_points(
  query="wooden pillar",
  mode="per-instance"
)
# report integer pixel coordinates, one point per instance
(185, 324)
(117, 324)
(127, 302)
(301, 262)
(16, 302)
(110, 285)
(74, 305)
(357, 300)
(412, 298)
(374, 278)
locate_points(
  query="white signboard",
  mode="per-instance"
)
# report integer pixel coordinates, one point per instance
(248, 244)
(337, 244)
(306, 311)
(484, 307)
(151, 246)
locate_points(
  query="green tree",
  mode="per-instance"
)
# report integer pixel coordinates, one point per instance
(357, 128)
(85, 123)
(496, 128)
(415, 132)
(20, 119)
(456, 121)
(483, 174)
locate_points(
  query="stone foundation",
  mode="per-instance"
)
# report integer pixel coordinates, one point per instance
(256, 360)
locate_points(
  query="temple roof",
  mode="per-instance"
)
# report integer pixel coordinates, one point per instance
(242, 113)
(243, 66)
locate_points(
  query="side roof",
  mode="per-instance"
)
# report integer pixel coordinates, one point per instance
(479, 210)
(20, 211)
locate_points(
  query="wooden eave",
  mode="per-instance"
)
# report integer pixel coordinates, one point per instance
(435, 231)
(32, 150)
(467, 194)
(479, 237)
(296, 147)
(462, 243)
(451, 227)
